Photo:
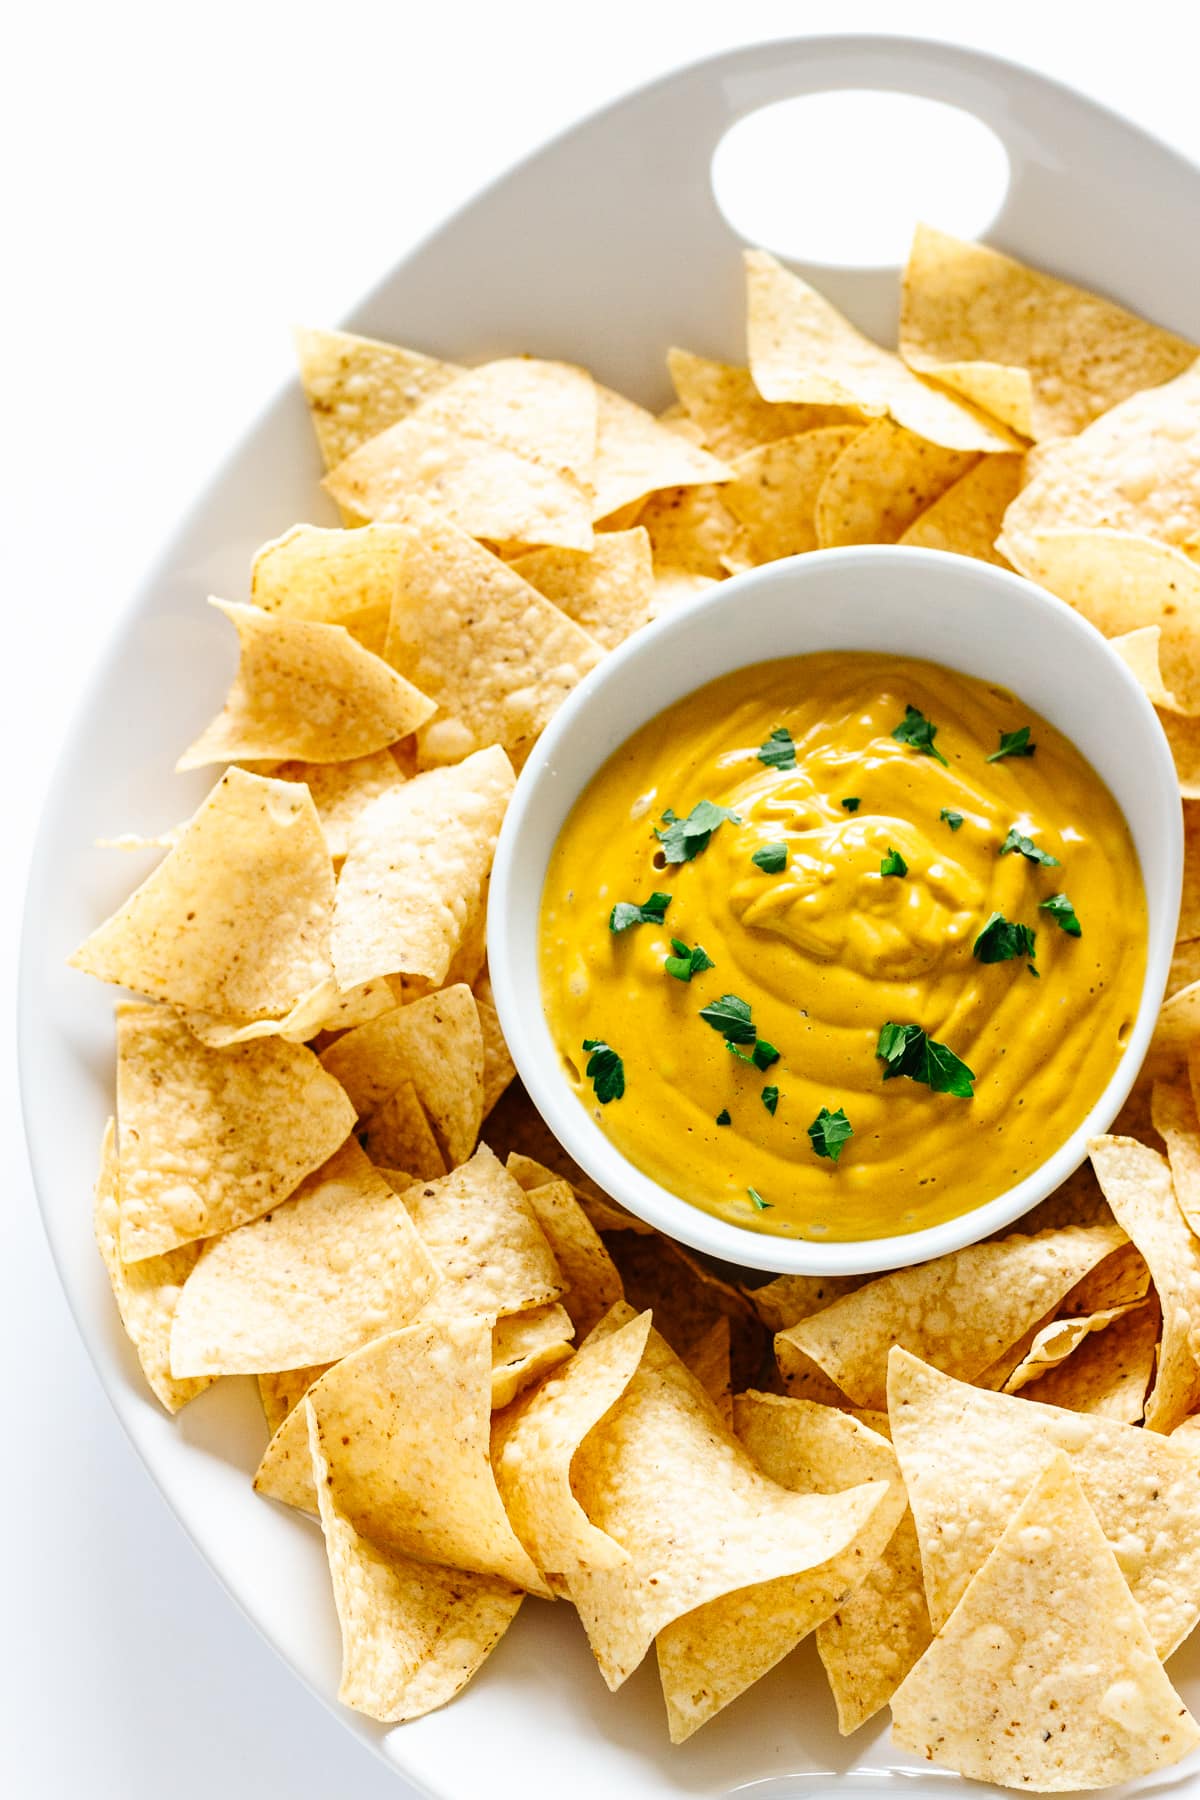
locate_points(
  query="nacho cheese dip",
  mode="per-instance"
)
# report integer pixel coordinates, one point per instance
(894, 893)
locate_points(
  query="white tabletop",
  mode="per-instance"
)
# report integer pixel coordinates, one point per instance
(187, 182)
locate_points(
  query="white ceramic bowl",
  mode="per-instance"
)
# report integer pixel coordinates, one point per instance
(968, 615)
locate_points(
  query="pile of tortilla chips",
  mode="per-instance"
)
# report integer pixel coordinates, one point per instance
(975, 1482)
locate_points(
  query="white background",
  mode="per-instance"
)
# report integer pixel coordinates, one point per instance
(181, 184)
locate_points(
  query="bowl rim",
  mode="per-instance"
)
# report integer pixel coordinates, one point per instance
(548, 1087)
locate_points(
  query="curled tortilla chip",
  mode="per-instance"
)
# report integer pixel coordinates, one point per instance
(961, 1312)
(436, 1044)
(592, 1282)
(802, 349)
(525, 1346)
(330, 576)
(709, 1361)
(774, 490)
(236, 918)
(637, 455)
(342, 791)
(1141, 650)
(1045, 1677)
(966, 519)
(1110, 1373)
(789, 1298)
(326, 1271)
(486, 1240)
(413, 1633)
(213, 1138)
(147, 1293)
(398, 1136)
(416, 870)
(356, 387)
(883, 480)
(1036, 352)
(323, 1009)
(732, 415)
(1054, 1342)
(608, 591)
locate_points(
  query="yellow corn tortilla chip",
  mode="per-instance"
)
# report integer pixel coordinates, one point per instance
(1137, 1185)
(592, 1282)
(521, 1133)
(236, 918)
(1054, 1342)
(399, 1137)
(356, 387)
(146, 1292)
(774, 490)
(608, 591)
(341, 791)
(732, 415)
(498, 1066)
(416, 869)
(1173, 1109)
(330, 576)
(1036, 352)
(708, 1360)
(969, 1456)
(1183, 735)
(525, 1346)
(1141, 650)
(802, 349)
(435, 1043)
(413, 1633)
(966, 519)
(1185, 965)
(469, 631)
(675, 587)
(881, 1628)
(691, 530)
(213, 1138)
(282, 1392)
(327, 1270)
(883, 480)
(636, 455)
(1109, 1373)
(961, 1312)
(789, 1298)
(1045, 1677)
(505, 450)
(687, 1299)
(1121, 1279)
(482, 1232)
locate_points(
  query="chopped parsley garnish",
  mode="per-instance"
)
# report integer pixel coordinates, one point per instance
(1016, 841)
(852, 803)
(829, 1132)
(685, 963)
(762, 1055)
(771, 858)
(893, 863)
(760, 1205)
(1001, 940)
(731, 1017)
(770, 1099)
(605, 1070)
(1063, 914)
(952, 819)
(907, 1051)
(918, 733)
(685, 838)
(1013, 743)
(627, 912)
(723, 1117)
(779, 752)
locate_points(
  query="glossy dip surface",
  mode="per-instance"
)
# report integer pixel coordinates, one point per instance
(828, 949)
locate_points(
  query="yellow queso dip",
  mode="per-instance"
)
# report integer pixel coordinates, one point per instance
(842, 945)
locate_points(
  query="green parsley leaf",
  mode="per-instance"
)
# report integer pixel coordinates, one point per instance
(685, 963)
(627, 912)
(771, 858)
(829, 1132)
(762, 1055)
(770, 1099)
(918, 733)
(1013, 743)
(731, 1017)
(907, 1051)
(1036, 973)
(852, 804)
(723, 1117)
(605, 1070)
(778, 752)
(893, 863)
(1001, 940)
(760, 1205)
(1063, 914)
(952, 819)
(1028, 849)
(685, 838)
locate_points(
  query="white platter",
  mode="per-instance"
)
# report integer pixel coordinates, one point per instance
(604, 248)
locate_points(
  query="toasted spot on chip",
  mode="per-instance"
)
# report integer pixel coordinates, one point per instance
(525, 1346)
(732, 415)
(967, 517)
(592, 1282)
(883, 479)
(775, 488)
(356, 387)
(1045, 1677)
(608, 591)
(236, 918)
(437, 1045)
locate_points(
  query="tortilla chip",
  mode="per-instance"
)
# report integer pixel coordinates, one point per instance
(789, 1298)
(1109, 1373)
(323, 1273)
(1041, 355)
(636, 456)
(341, 791)
(960, 1313)
(1185, 963)
(608, 591)
(498, 1066)
(966, 519)
(282, 1392)
(525, 1346)
(522, 1135)
(416, 869)
(413, 1633)
(687, 1299)
(592, 1282)
(691, 530)
(1174, 1113)
(883, 480)
(1121, 1279)
(1054, 1342)
(329, 576)
(1183, 735)
(213, 1138)
(505, 451)
(732, 415)
(147, 1293)
(708, 1361)
(436, 1044)
(399, 1137)
(774, 490)
(486, 1240)
(356, 387)
(1141, 649)
(1046, 1676)
(802, 349)
(675, 587)
(235, 920)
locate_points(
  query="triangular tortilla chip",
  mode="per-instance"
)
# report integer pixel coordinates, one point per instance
(282, 1392)
(675, 587)
(356, 387)
(527, 1345)
(331, 576)
(326, 1271)
(436, 1044)
(608, 591)
(236, 918)
(1109, 1373)
(592, 1282)
(961, 1312)
(498, 1066)
(342, 791)
(686, 1298)
(883, 480)
(789, 1298)
(709, 1361)
(691, 531)
(1054, 1342)
(966, 519)
(732, 415)
(147, 1293)
(323, 1009)
(970, 1456)
(486, 1240)
(398, 1136)
(416, 868)
(1041, 355)
(519, 1131)
(802, 349)
(1142, 651)
(1045, 1677)
(1173, 1109)
(636, 455)
(213, 1138)
(774, 490)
